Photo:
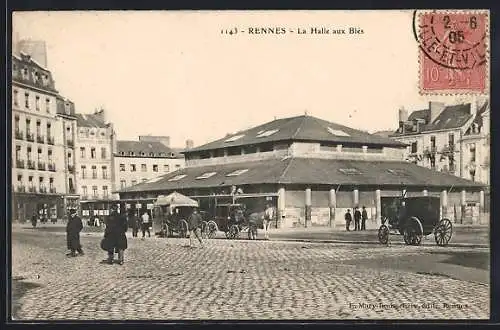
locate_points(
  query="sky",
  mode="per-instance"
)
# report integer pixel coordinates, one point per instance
(176, 74)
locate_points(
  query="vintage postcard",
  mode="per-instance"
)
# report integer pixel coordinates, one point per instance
(250, 165)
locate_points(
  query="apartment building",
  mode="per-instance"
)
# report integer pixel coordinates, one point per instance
(94, 157)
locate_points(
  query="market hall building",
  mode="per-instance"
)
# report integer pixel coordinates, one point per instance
(310, 169)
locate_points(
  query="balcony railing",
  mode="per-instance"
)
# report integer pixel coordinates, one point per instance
(19, 135)
(41, 166)
(42, 190)
(32, 189)
(40, 139)
(71, 168)
(21, 188)
(72, 190)
(50, 140)
(70, 143)
(19, 163)
(52, 190)
(85, 196)
(51, 167)
(30, 137)
(31, 164)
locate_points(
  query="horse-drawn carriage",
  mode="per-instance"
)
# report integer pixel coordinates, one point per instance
(232, 219)
(414, 217)
(172, 213)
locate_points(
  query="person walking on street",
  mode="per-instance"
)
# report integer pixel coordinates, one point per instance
(348, 219)
(364, 217)
(357, 219)
(114, 240)
(194, 227)
(73, 229)
(34, 219)
(134, 224)
(268, 218)
(145, 224)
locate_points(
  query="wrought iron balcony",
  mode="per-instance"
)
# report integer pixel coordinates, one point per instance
(31, 164)
(21, 188)
(42, 190)
(30, 137)
(85, 196)
(72, 190)
(50, 140)
(70, 143)
(32, 189)
(71, 168)
(41, 166)
(52, 167)
(19, 135)
(52, 190)
(19, 163)
(40, 139)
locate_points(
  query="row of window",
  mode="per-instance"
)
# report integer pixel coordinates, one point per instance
(38, 126)
(93, 153)
(104, 171)
(451, 142)
(19, 151)
(95, 194)
(144, 168)
(28, 101)
(42, 187)
(86, 132)
(151, 154)
(123, 182)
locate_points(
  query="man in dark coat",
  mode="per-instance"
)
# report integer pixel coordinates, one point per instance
(73, 229)
(357, 219)
(194, 227)
(134, 223)
(34, 219)
(364, 217)
(115, 240)
(348, 219)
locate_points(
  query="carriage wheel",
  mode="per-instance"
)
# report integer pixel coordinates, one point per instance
(252, 232)
(413, 232)
(212, 229)
(383, 234)
(204, 229)
(443, 232)
(165, 231)
(183, 228)
(234, 232)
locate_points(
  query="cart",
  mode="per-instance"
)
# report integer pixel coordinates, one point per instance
(173, 212)
(413, 218)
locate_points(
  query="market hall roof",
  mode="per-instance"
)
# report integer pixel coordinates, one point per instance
(299, 128)
(304, 171)
(145, 149)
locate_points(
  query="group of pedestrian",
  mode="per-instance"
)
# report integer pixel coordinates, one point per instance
(142, 223)
(360, 218)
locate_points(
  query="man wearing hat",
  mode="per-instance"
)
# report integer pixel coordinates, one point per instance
(73, 229)
(194, 227)
(115, 240)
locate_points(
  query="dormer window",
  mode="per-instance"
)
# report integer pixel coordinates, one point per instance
(178, 177)
(337, 132)
(238, 172)
(234, 138)
(267, 133)
(206, 175)
(350, 171)
(398, 172)
(151, 154)
(131, 153)
(142, 153)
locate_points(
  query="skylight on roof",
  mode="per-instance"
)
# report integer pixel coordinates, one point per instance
(154, 179)
(267, 133)
(350, 171)
(337, 132)
(178, 177)
(238, 172)
(206, 175)
(234, 138)
(398, 172)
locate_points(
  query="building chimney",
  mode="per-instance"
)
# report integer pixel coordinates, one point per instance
(100, 114)
(37, 49)
(436, 108)
(403, 115)
(474, 106)
(189, 144)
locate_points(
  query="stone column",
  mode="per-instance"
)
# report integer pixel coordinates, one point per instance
(481, 201)
(281, 207)
(425, 192)
(378, 208)
(356, 197)
(333, 206)
(444, 203)
(463, 205)
(308, 207)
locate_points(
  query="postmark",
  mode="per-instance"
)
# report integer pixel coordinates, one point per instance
(453, 51)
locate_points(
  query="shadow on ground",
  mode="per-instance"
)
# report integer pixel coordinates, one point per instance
(473, 259)
(20, 288)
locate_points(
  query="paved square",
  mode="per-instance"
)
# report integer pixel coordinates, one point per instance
(163, 279)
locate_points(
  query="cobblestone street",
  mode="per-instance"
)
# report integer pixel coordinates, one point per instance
(163, 279)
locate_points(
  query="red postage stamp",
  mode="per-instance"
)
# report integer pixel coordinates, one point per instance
(453, 52)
